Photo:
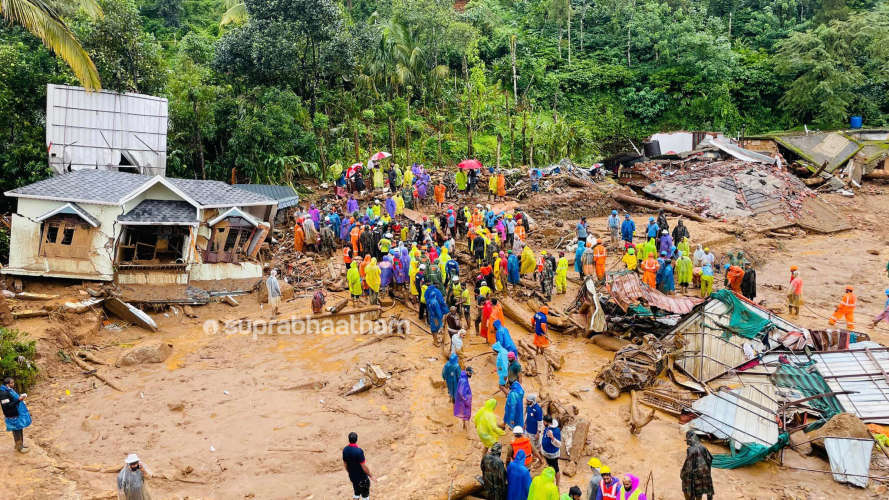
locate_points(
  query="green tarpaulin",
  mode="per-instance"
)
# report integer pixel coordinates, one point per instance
(750, 453)
(742, 321)
(810, 384)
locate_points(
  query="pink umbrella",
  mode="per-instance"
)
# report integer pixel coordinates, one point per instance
(470, 164)
(379, 156)
(354, 168)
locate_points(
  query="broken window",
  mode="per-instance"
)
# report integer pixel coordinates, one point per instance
(152, 245)
(229, 241)
(65, 236)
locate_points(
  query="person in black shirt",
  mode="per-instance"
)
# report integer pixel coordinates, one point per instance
(359, 474)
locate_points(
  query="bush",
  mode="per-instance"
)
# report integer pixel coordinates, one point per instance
(17, 359)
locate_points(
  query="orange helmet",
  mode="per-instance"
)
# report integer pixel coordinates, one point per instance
(849, 288)
(794, 268)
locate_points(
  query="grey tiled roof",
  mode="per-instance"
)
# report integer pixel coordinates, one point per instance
(161, 211)
(111, 187)
(218, 193)
(101, 186)
(286, 195)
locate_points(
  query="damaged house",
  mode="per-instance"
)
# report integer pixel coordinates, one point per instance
(135, 229)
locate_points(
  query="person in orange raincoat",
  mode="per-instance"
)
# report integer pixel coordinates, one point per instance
(299, 236)
(599, 255)
(733, 276)
(362, 271)
(845, 309)
(501, 185)
(496, 314)
(353, 237)
(539, 325)
(486, 313)
(439, 192)
(520, 232)
(649, 271)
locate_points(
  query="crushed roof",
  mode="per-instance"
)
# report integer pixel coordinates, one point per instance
(286, 195)
(106, 187)
(161, 211)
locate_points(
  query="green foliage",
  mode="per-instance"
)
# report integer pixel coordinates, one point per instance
(17, 358)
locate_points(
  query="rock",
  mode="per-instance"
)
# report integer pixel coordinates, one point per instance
(873, 252)
(189, 312)
(436, 384)
(180, 406)
(153, 352)
(228, 299)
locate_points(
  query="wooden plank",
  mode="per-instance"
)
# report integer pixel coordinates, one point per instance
(130, 314)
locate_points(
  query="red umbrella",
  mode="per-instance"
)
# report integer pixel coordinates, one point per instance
(470, 164)
(379, 156)
(354, 168)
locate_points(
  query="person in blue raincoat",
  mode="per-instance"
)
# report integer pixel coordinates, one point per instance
(512, 268)
(578, 258)
(665, 280)
(518, 478)
(502, 365)
(390, 206)
(653, 229)
(505, 339)
(16, 413)
(513, 414)
(451, 375)
(435, 308)
(627, 228)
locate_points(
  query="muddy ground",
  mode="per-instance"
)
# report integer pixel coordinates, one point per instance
(231, 416)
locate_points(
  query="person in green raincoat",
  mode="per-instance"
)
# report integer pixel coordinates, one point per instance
(683, 271)
(543, 487)
(398, 176)
(648, 248)
(353, 277)
(461, 179)
(486, 426)
(684, 246)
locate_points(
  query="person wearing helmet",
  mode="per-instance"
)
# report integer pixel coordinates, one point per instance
(609, 486)
(131, 479)
(614, 228)
(885, 314)
(653, 229)
(846, 309)
(593, 486)
(627, 228)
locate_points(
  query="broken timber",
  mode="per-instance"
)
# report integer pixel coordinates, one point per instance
(130, 314)
(657, 206)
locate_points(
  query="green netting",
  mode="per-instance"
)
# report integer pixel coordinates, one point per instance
(749, 454)
(742, 322)
(810, 384)
(640, 310)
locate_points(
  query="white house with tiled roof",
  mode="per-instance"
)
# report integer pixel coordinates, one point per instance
(135, 229)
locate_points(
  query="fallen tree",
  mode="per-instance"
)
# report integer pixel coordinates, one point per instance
(642, 202)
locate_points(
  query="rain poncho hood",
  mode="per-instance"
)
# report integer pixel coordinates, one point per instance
(486, 424)
(634, 485)
(543, 487)
(435, 307)
(512, 267)
(502, 361)
(372, 275)
(463, 397)
(504, 338)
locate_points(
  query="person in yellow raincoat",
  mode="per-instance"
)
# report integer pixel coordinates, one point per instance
(684, 246)
(412, 274)
(372, 276)
(499, 265)
(408, 178)
(543, 487)
(630, 259)
(529, 262)
(486, 426)
(377, 210)
(399, 204)
(353, 277)
(415, 252)
(562, 274)
(379, 182)
(684, 272)
(492, 186)
(443, 261)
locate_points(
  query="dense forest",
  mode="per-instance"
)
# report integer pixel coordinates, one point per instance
(274, 90)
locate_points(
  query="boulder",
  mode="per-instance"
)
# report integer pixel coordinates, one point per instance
(152, 352)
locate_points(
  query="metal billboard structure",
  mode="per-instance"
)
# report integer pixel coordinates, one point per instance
(105, 130)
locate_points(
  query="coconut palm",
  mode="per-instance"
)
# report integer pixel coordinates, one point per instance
(235, 12)
(43, 19)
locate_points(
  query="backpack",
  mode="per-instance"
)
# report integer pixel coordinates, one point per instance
(10, 406)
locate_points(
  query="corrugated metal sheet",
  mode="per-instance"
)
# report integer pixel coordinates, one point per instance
(627, 289)
(745, 415)
(849, 456)
(89, 130)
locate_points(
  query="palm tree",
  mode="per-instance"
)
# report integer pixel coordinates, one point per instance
(43, 19)
(236, 12)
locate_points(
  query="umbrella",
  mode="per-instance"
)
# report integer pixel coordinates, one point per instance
(379, 156)
(354, 168)
(470, 164)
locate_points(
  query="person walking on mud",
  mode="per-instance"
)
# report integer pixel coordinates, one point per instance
(131, 480)
(15, 413)
(274, 290)
(356, 466)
